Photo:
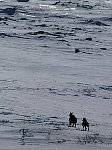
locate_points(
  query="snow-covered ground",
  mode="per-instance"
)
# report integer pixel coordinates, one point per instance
(43, 77)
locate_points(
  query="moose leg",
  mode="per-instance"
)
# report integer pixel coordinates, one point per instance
(83, 127)
(69, 122)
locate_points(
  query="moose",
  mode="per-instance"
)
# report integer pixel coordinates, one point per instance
(85, 124)
(72, 119)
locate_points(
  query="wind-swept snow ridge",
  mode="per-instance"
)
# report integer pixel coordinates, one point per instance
(9, 11)
(23, 0)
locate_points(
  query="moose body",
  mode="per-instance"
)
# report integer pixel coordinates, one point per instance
(72, 120)
(85, 124)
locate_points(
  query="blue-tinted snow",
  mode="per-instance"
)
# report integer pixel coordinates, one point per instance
(43, 78)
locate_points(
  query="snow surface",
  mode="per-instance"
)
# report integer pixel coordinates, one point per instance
(42, 78)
